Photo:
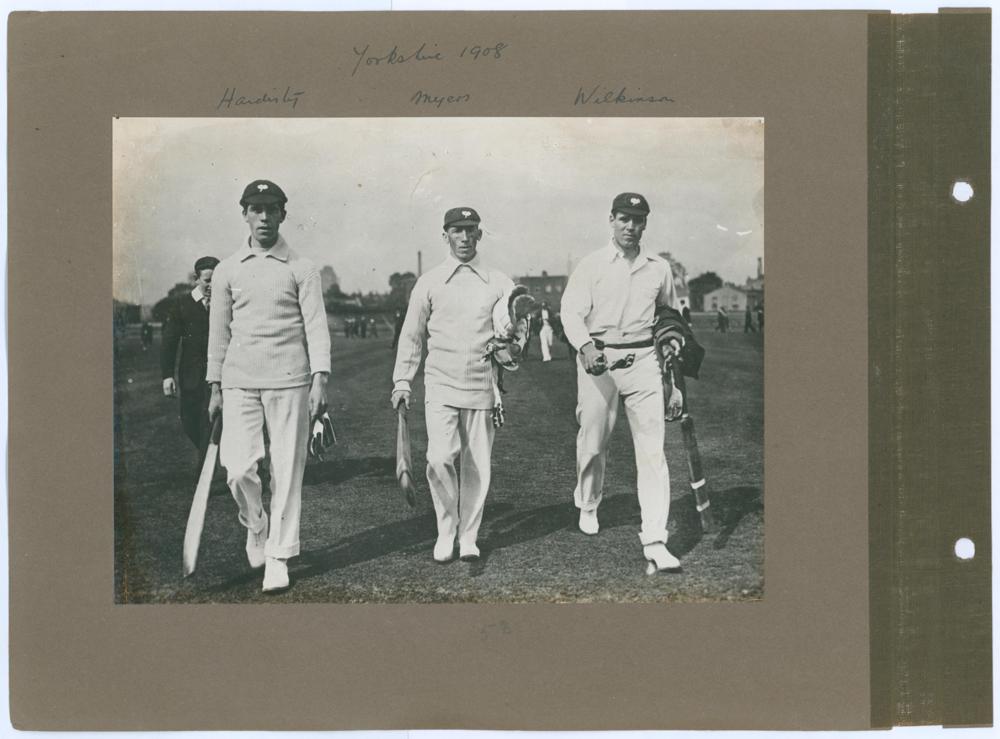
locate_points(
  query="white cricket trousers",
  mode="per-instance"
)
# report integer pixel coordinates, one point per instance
(459, 494)
(286, 413)
(545, 338)
(641, 387)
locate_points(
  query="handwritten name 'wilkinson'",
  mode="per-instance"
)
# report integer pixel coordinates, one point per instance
(230, 98)
(600, 95)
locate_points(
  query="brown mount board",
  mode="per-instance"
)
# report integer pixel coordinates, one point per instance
(815, 653)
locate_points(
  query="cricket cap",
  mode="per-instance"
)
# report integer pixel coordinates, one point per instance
(461, 217)
(632, 203)
(205, 263)
(262, 192)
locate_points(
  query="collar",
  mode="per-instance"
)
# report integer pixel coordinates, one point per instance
(612, 252)
(197, 295)
(279, 251)
(452, 265)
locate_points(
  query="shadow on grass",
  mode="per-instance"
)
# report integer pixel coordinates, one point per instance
(330, 471)
(417, 535)
(504, 527)
(500, 531)
(615, 511)
(340, 470)
(732, 506)
(729, 508)
(401, 536)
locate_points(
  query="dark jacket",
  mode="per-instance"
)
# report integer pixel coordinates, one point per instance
(670, 323)
(185, 343)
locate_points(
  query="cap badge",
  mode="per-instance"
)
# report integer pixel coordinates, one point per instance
(466, 213)
(262, 187)
(634, 201)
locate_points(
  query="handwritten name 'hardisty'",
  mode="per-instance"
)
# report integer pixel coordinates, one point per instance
(394, 56)
(230, 98)
(600, 95)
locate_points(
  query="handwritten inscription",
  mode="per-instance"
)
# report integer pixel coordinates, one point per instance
(231, 97)
(424, 53)
(425, 98)
(600, 95)
(496, 629)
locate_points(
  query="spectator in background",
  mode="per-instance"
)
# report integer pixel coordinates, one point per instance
(686, 314)
(721, 320)
(748, 321)
(146, 335)
(183, 354)
(545, 331)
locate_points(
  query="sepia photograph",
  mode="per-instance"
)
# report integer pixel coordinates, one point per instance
(438, 360)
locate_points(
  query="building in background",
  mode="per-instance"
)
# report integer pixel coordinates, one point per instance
(755, 286)
(737, 298)
(729, 297)
(545, 287)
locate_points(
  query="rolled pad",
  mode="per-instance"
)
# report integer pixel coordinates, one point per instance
(520, 304)
(511, 327)
(670, 325)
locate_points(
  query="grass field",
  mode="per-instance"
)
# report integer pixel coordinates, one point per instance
(362, 543)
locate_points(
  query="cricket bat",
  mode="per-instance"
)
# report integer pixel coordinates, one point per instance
(196, 518)
(698, 486)
(404, 464)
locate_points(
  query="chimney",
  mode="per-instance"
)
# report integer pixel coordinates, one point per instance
(420, 263)
(760, 267)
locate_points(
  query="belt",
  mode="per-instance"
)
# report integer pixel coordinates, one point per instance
(642, 344)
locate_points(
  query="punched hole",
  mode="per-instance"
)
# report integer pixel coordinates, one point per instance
(965, 549)
(962, 191)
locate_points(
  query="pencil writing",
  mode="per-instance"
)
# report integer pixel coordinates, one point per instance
(230, 98)
(599, 95)
(425, 98)
(425, 52)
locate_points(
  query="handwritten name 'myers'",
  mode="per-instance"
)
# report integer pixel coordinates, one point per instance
(426, 98)
(599, 95)
(230, 98)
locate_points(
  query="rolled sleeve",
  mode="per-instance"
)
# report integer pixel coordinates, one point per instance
(314, 319)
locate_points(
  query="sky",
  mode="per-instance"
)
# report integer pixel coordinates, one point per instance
(366, 194)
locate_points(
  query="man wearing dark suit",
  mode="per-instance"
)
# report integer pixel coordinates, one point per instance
(185, 349)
